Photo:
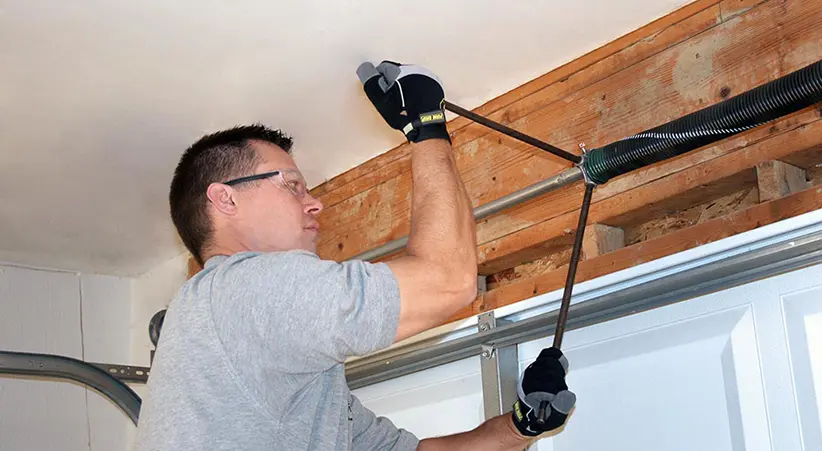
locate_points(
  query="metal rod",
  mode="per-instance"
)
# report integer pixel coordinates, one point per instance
(543, 406)
(562, 317)
(55, 366)
(794, 251)
(564, 178)
(539, 144)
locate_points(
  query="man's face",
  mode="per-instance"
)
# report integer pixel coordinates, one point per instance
(269, 216)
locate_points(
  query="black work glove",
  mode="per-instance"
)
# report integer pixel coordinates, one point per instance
(410, 98)
(542, 387)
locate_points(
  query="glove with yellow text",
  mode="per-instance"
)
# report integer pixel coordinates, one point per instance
(409, 98)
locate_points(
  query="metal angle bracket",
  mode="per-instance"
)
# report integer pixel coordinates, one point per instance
(499, 368)
(485, 321)
(125, 373)
(487, 351)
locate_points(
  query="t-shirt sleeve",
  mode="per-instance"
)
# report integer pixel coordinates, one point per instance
(370, 432)
(310, 313)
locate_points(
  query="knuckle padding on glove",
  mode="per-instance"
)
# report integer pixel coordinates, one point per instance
(366, 71)
(390, 73)
(406, 71)
(564, 401)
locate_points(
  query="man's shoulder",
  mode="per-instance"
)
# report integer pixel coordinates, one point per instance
(263, 262)
(295, 272)
(250, 270)
(272, 257)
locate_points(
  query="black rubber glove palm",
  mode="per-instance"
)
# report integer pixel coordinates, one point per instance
(409, 98)
(542, 392)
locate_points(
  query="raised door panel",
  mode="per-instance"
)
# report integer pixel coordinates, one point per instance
(436, 402)
(803, 320)
(653, 381)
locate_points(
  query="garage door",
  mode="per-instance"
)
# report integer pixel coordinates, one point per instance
(737, 369)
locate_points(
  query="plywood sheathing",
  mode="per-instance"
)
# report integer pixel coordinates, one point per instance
(687, 238)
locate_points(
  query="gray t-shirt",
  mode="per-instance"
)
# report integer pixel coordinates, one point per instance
(251, 357)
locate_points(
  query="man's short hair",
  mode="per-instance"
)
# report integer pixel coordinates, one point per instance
(217, 157)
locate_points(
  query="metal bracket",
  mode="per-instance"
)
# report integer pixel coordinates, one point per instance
(125, 373)
(581, 165)
(499, 368)
(487, 351)
(482, 285)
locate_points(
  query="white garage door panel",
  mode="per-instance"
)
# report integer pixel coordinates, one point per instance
(803, 318)
(450, 395)
(651, 385)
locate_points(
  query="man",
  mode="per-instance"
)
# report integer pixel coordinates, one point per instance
(252, 349)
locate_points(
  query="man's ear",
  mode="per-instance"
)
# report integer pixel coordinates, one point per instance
(222, 198)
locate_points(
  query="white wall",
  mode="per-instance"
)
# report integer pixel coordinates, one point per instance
(94, 318)
(76, 315)
(151, 293)
(106, 320)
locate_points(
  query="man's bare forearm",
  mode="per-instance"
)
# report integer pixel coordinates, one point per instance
(438, 276)
(496, 434)
(442, 221)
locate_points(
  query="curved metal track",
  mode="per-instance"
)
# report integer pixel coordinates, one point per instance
(59, 367)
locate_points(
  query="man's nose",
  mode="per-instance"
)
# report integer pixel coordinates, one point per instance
(312, 205)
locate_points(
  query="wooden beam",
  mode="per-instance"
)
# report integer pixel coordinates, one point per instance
(713, 177)
(557, 203)
(673, 220)
(678, 241)
(776, 179)
(600, 239)
(733, 8)
(815, 175)
(807, 160)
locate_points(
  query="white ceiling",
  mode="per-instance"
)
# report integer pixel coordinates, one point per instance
(98, 98)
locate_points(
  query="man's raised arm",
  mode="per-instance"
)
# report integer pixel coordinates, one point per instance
(438, 275)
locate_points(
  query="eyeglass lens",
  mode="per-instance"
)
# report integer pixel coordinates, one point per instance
(295, 182)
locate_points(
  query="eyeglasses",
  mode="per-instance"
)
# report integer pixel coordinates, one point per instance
(290, 179)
